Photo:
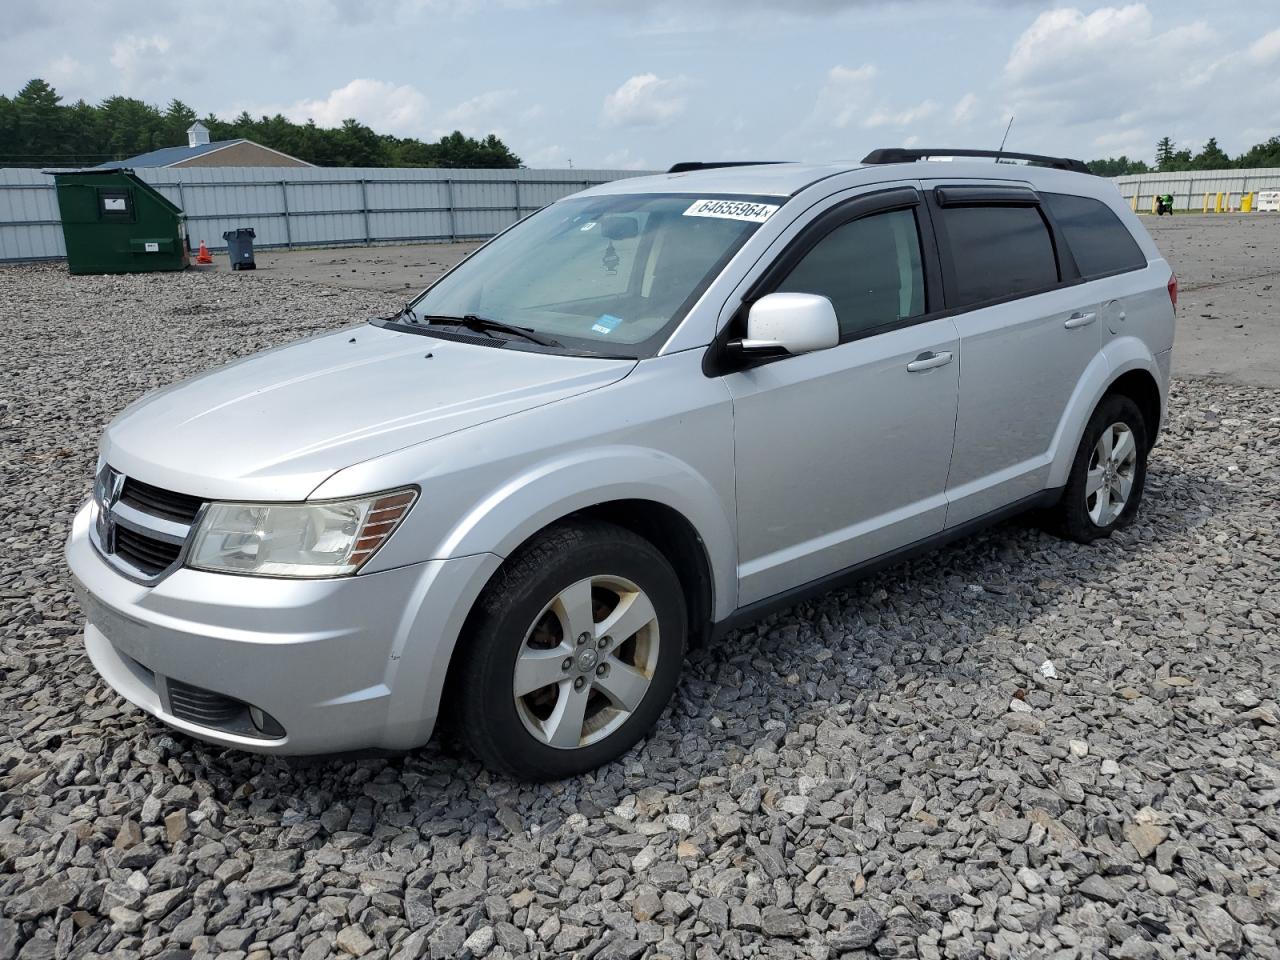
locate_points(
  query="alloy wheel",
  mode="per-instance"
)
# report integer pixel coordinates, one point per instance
(587, 662)
(1109, 479)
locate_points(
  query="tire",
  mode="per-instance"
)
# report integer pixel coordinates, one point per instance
(1081, 514)
(529, 626)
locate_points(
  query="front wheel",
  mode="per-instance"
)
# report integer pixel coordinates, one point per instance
(572, 652)
(1108, 474)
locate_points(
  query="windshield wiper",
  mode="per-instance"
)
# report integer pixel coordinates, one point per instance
(475, 322)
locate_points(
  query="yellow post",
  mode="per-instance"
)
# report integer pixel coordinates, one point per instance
(1246, 203)
(1205, 209)
(1133, 202)
(1217, 208)
(1153, 203)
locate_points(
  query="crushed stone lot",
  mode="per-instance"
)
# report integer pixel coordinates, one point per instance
(1015, 747)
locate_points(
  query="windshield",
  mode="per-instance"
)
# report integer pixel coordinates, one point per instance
(611, 274)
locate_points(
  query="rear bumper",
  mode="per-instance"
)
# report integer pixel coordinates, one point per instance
(341, 664)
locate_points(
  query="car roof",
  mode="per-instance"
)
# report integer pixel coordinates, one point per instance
(788, 179)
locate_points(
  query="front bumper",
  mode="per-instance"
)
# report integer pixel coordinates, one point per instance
(341, 664)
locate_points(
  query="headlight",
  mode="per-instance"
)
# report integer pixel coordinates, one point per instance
(324, 539)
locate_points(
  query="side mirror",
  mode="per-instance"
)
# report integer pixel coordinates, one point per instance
(790, 323)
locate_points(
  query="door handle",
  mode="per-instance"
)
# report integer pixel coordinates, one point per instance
(927, 361)
(1080, 320)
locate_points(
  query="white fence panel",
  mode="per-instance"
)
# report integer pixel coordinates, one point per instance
(1189, 187)
(320, 206)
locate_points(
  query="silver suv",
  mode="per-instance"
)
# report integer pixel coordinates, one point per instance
(637, 419)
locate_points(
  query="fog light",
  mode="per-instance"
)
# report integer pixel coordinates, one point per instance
(265, 723)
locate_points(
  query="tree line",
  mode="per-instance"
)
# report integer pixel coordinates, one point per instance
(1169, 159)
(38, 130)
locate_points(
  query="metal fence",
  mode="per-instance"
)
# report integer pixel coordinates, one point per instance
(1189, 188)
(342, 206)
(298, 207)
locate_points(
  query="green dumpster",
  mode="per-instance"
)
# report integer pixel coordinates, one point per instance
(114, 222)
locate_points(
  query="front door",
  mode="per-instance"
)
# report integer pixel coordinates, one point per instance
(842, 454)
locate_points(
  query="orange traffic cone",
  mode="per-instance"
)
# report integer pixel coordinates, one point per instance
(203, 255)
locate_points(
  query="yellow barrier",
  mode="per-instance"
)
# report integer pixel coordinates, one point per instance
(1218, 208)
(1134, 203)
(1205, 208)
(1153, 204)
(1246, 203)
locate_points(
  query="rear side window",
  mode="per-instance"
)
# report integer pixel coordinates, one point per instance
(870, 270)
(999, 252)
(1098, 240)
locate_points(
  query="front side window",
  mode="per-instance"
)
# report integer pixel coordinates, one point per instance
(611, 274)
(870, 269)
(1098, 240)
(998, 252)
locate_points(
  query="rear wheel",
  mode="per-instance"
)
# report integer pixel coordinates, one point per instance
(1104, 488)
(572, 652)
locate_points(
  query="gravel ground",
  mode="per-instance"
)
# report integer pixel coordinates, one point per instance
(1016, 747)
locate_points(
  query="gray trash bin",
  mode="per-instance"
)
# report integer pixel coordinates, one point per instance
(240, 248)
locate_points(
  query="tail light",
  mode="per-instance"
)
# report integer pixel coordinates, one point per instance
(1173, 291)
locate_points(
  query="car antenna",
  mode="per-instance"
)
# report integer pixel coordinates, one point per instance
(1005, 138)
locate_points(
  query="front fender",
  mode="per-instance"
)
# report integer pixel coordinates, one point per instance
(1118, 357)
(511, 513)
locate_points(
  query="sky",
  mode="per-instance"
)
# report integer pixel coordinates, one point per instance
(641, 84)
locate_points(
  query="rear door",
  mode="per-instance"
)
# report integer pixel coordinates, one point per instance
(1028, 329)
(1107, 257)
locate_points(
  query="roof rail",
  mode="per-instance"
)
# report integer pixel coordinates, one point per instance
(685, 166)
(908, 154)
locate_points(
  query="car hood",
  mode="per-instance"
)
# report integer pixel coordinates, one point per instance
(276, 425)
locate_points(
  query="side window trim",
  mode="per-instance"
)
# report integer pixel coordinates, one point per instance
(716, 361)
(940, 197)
(857, 208)
(844, 213)
(1080, 276)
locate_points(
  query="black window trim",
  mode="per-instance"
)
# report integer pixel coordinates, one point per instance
(1107, 273)
(718, 361)
(991, 195)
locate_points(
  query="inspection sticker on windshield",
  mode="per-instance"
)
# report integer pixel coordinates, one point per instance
(732, 210)
(606, 324)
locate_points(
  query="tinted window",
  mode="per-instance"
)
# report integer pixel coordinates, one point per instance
(999, 252)
(870, 270)
(1098, 240)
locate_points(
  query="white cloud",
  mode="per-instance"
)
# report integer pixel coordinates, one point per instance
(141, 59)
(624, 160)
(844, 96)
(1109, 66)
(883, 117)
(965, 109)
(479, 109)
(1265, 49)
(551, 155)
(385, 107)
(66, 73)
(645, 100)
(1059, 38)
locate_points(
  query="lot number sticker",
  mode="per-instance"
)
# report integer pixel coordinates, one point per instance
(732, 210)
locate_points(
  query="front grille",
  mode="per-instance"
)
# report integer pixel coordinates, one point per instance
(147, 554)
(178, 507)
(209, 709)
(141, 529)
